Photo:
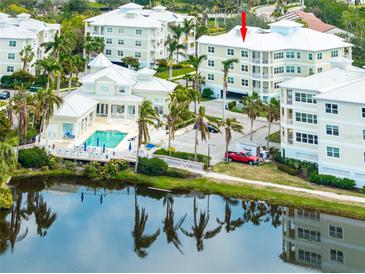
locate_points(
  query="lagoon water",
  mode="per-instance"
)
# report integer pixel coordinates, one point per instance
(63, 227)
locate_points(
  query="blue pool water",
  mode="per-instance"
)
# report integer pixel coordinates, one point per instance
(110, 138)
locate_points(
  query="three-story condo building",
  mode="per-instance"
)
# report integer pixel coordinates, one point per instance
(133, 31)
(267, 57)
(323, 120)
(18, 32)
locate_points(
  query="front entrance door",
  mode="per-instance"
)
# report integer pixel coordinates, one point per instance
(102, 109)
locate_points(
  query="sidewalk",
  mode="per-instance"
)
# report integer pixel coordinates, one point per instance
(236, 180)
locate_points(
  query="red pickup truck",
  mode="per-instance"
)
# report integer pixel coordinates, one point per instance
(243, 157)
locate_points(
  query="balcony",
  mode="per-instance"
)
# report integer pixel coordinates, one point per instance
(265, 90)
(265, 61)
(256, 60)
(290, 141)
(289, 101)
(265, 76)
(256, 75)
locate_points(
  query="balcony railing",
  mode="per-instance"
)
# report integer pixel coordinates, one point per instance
(265, 90)
(265, 76)
(265, 61)
(256, 75)
(290, 141)
(256, 60)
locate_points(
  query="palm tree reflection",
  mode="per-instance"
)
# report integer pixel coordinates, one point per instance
(198, 230)
(141, 242)
(43, 215)
(169, 227)
(230, 225)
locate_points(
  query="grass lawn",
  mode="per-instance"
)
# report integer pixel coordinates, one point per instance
(175, 72)
(3, 103)
(268, 172)
(275, 137)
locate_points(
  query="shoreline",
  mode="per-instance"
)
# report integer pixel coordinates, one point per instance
(209, 186)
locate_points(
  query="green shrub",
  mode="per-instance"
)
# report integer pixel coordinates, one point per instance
(153, 166)
(287, 169)
(120, 164)
(44, 168)
(93, 169)
(363, 189)
(109, 170)
(70, 165)
(54, 162)
(207, 93)
(33, 157)
(177, 173)
(6, 199)
(329, 180)
(232, 104)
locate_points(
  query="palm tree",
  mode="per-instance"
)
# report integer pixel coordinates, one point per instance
(195, 62)
(187, 27)
(227, 64)
(177, 31)
(71, 65)
(57, 45)
(194, 97)
(252, 107)
(230, 225)
(230, 124)
(201, 124)
(174, 116)
(198, 229)
(43, 216)
(141, 241)
(273, 114)
(170, 228)
(47, 100)
(27, 56)
(49, 66)
(7, 158)
(147, 116)
(94, 45)
(172, 46)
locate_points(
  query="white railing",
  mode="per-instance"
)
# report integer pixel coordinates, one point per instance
(181, 163)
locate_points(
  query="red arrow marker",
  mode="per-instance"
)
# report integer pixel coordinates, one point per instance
(243, 28)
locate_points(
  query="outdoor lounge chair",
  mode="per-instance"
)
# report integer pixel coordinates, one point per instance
(69, 135)
(150, 146)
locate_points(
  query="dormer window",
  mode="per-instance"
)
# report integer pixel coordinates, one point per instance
(138, 31)
(121, 90)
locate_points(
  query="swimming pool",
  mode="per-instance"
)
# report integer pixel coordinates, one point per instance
(108, 138)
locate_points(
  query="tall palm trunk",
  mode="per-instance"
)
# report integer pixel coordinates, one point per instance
(18, 142)
(170, 72)
(138, 148)
(170, 136)
(224, 97)
(251, 129)
(268, 136)
(196, 144)
(58, 84)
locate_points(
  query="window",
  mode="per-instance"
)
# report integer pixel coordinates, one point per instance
(333, 152)
(108, 52)
(332, 108)
(290, 69)
(309, 257)
(121, 30)
(120, 42)
(319, 56)
(319, 70)
(307, 138)
(137, 54)
(211, 49)
(310, 71)
(109, 29)
(230, 80)
(310, 56)
(332, 130)
(138, 31)
(104, 89)
(336, 232)
(244, 53)
(363, 112)
(230, 52)
(276, 85)
(305, 98)
(12, 44)
(121, 90)
(231, 66)
(138, 43)
(210, 63)
(11, 56)
(278, 55)
(309, 235)
(299, 69)
(363, 134)
(159, 110)
(120, 53)
(9, 69)
(244, 82)
(210, 77)
(336, 256)
(109, 41)
(290, 55)
(244, 68)
(334, 53)
(278, 70)
(306, 118)
(298, 55)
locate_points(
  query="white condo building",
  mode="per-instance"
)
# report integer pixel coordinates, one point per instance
(323, 120)
(15, 34)
(267, 57)
(133, 31)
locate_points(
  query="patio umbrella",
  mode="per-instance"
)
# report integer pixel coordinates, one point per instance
(97, 142)
(130, 146)
(85, 146)
(103, 148)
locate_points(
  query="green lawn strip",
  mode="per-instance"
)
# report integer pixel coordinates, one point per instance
(3, 103)
(268, 172)
(275, 137)
(175, 72)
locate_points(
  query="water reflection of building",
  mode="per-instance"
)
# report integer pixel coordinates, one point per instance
(329, 243)
(61, 188)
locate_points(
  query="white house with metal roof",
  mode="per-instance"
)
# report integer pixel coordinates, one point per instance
(111, 94)
(18, 32)
(267, 57)
(134, 31)
(323, 120)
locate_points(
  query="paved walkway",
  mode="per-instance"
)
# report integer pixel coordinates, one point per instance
(329, 195)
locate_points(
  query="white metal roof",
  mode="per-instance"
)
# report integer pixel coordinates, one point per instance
(75, 106)
(353, 92)
(270, 39)
(13, 32)
(154, 84)
(100, 61)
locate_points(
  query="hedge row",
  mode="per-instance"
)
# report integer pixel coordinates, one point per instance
(183, 155)
(330, 180)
